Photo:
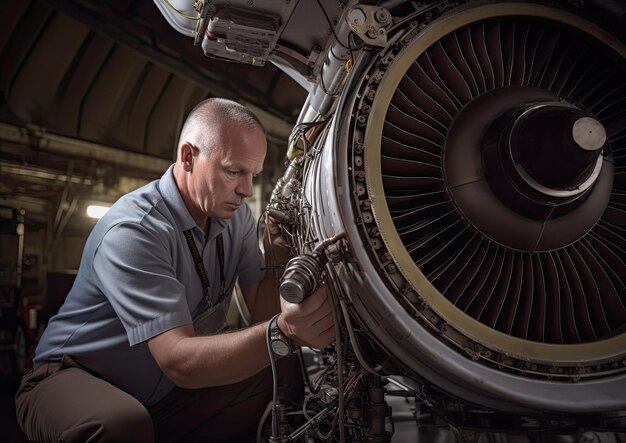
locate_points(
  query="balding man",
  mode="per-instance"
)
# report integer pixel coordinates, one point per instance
(135, 353)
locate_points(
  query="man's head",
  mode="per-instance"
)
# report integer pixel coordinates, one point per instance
(221, 148)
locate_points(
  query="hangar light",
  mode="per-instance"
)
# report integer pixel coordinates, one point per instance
(95, 211)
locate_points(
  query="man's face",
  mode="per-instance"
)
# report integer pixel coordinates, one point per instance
(222, 178)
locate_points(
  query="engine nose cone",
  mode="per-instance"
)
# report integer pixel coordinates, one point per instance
(518, 174)
(589, 134)
(555, 149)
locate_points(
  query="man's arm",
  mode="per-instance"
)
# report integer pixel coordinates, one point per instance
(192, 361)
(263, 298)
(308, 323)
(196, 362)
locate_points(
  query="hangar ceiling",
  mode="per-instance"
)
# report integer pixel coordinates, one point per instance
(92, 95)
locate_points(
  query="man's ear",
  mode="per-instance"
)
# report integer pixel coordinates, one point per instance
(186, 153)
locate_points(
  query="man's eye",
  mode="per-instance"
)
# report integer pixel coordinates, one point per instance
(234, 173)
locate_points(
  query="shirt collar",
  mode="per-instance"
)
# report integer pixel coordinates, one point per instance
(173, 199)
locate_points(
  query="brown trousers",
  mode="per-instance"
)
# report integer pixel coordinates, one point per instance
(63, 402)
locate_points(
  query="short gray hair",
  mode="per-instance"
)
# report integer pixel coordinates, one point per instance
(213, 113)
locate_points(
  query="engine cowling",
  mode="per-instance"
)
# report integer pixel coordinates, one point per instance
(476, 166)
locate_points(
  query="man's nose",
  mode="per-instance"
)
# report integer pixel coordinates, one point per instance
(244, 188)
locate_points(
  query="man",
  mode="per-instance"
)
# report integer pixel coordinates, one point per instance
(134, 353)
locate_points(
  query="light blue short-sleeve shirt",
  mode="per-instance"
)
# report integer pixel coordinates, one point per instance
(137, 279)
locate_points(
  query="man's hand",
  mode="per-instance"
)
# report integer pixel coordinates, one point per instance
(309, 323)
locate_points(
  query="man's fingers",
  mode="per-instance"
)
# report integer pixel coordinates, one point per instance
(311, 322)
(323, 323)
(305, 329)
(272, 226)
(314, 301)
(323, 339)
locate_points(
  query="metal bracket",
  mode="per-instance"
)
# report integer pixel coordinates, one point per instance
(369, 23)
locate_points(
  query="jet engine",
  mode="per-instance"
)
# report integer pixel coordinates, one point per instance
(457, 177)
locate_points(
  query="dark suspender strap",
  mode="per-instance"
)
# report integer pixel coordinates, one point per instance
(202, 271)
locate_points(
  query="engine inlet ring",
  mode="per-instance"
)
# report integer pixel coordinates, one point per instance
(595, 348)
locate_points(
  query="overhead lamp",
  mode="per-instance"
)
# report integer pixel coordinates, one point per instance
(96, 211)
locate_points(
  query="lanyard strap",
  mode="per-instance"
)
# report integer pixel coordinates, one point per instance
(204, 278)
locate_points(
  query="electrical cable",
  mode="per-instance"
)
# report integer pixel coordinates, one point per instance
(272, 259)
(348, 47)
(322, 85)
(274, 380)
(182, 14)
(355, 345)
(340, 390)
(305, 375)
(333, 29)
(266, 413)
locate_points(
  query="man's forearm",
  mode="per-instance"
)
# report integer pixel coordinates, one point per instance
(216, 360)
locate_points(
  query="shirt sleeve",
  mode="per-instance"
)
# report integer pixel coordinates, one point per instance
(133, 267)
(251, 263)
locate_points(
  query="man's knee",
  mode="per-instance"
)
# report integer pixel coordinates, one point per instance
(54, 409)
(129, 422)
